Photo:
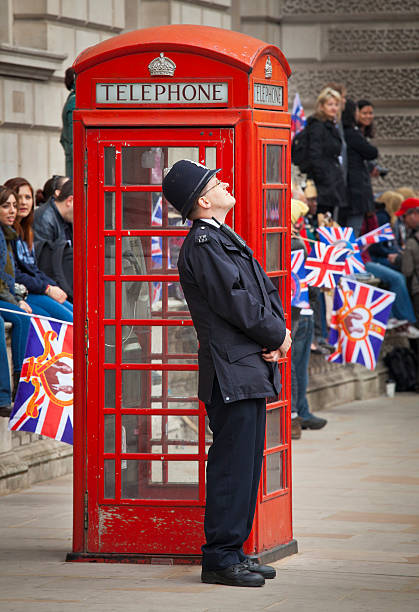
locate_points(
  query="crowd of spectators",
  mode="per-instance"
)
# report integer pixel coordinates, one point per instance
(340, 188)
(36, 265)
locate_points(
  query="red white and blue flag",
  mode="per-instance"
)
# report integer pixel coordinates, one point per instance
(156, 250)
(299, 288)
(298, 119)
(325, 265)
(343, 237)
(359, 321)
(156, 241)
(44, 399)
(381, 234)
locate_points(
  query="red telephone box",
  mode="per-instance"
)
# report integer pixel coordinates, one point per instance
(144, 100)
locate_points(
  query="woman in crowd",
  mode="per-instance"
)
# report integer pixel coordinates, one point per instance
(359, 190)
(8, 300)
(365, 118)
(44, 296)
(324, 151)
(50, 190)
(386, 253)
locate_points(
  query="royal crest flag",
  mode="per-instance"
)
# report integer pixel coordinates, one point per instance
(344, 237)
(44, 399)
(325, 265)
(299, 288)
(298, 119)
(359, 322)
(380, 234)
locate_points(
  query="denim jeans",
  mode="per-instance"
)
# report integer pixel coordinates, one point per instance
(5, 396)
(46, 306)
(402, 306)
(300, 357)
(20, 330)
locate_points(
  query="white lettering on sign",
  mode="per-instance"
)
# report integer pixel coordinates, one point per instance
(271, 95)
(161, 93)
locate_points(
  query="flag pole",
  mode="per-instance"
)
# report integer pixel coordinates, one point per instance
(35, 316)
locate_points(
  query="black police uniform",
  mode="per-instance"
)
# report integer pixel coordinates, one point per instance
(237, 312)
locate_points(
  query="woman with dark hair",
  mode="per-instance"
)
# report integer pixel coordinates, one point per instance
(324, 151)
(359, 151)
(8, 298)
(51, 189)
(44, 296)
(365, 119)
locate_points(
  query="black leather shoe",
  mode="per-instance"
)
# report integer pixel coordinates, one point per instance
(313, 423)
(235, 575)
(5, 411)
(264, 570)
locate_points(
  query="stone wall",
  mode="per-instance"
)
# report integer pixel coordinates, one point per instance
(372, 47)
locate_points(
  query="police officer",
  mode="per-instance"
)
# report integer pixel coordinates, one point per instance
(241, 330)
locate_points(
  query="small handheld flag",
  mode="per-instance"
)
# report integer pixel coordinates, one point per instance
(325, 265)
(358, 324)
(344, 238)
(299, 289)
(380, 234)
(298, 119)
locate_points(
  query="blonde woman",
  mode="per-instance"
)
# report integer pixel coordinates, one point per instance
(324, 152)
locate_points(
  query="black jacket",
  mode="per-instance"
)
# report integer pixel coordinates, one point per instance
(236, 311)
(50, 226)
(324, 149)
(382, 249)
(359, 150)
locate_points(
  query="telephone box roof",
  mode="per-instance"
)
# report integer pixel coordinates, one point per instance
(228, 46)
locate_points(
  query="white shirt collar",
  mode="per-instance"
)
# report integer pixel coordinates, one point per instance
(210, 221)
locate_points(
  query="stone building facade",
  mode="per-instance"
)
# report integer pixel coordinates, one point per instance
(372, 47)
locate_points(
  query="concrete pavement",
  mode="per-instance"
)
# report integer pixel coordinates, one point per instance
(356, 519)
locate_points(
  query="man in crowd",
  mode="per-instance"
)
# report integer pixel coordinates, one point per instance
(241, 329)
(53, 234)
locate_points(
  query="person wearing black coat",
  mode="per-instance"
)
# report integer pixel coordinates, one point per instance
(324, 150)
(45, 297)
(360, 151)
(238, 316)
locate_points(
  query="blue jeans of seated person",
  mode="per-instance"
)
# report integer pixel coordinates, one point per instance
(402, 306)
(19, 332)
(46, 306)
(300, 357)
(5, 393)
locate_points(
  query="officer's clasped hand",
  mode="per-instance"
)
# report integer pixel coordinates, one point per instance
(271, 355)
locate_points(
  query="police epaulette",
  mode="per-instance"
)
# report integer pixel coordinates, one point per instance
(201, 236)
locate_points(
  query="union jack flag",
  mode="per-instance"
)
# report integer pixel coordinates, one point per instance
(156, 249)
(325, 265)
(156, 241)
(381, 234)
(44, 399)
(358, 324)
(298, 119)
(299, 289)
(344, 237)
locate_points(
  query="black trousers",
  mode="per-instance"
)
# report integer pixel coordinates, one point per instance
(233, 474)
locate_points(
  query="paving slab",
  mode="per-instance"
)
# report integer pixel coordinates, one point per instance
(356, 520)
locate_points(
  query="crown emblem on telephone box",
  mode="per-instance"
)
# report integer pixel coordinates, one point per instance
(268, 68)
(162, 66)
